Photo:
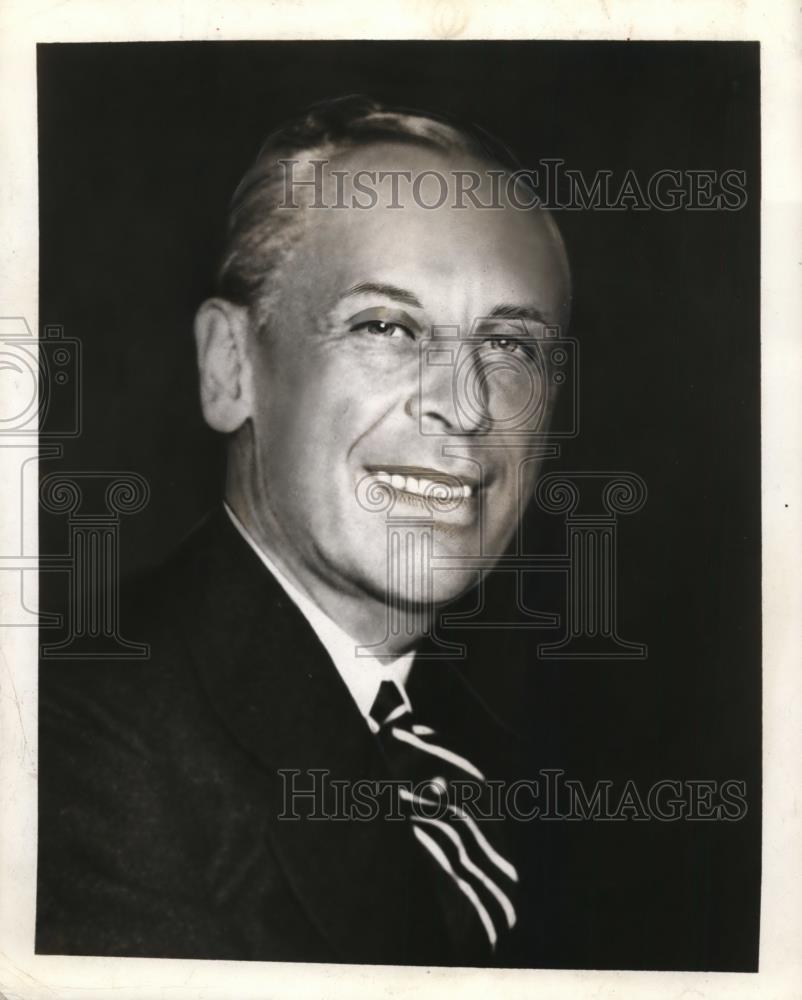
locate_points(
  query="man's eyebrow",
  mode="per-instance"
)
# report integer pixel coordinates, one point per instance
(517, 312)
(389, 291)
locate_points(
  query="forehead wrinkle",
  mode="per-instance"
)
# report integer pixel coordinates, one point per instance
(329, 247)
(388, 291)
(509, 311)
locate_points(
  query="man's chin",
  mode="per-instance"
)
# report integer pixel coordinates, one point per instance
(449, 585)
(420, 594)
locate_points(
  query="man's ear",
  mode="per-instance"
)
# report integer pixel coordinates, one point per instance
(221, 337)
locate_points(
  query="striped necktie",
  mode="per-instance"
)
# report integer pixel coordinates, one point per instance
(467, 850)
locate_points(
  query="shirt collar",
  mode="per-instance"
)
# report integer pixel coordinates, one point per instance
(362, 673)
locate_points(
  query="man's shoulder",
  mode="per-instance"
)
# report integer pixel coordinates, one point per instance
(157, 608)
(138, 783)
(210, 613)
(145, 738)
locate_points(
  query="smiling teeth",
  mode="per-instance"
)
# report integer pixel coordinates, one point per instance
(430, 488)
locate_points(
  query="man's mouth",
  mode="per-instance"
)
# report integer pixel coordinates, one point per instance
(427, 483)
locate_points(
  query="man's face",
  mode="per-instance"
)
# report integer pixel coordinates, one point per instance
(347, 413)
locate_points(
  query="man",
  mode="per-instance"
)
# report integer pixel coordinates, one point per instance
(372, 357)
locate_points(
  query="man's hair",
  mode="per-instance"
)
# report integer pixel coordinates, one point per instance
(259, 236)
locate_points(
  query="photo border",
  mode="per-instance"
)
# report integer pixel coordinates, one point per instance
(776, 24)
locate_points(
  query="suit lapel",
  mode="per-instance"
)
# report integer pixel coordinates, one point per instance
(283, 701)
(443, 697)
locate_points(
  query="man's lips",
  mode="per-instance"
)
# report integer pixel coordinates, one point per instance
(426, 481)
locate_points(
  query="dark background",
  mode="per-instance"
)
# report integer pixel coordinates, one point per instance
(141, 146)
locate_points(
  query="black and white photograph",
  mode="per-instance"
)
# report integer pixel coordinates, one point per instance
(392, 463)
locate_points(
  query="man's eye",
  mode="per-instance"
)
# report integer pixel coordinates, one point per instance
(509, 344)
(380, 328)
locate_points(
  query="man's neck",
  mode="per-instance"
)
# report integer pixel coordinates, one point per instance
(362, 616)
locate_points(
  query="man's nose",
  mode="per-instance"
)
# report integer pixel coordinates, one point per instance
(449, 396)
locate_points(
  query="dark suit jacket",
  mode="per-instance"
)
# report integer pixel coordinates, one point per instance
(160, 797)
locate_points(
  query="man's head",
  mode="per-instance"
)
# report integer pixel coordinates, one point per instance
(373, 334)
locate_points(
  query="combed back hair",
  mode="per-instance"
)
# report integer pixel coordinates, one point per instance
(259, 236)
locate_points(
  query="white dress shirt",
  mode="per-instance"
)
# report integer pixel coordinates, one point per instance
(362, 673)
